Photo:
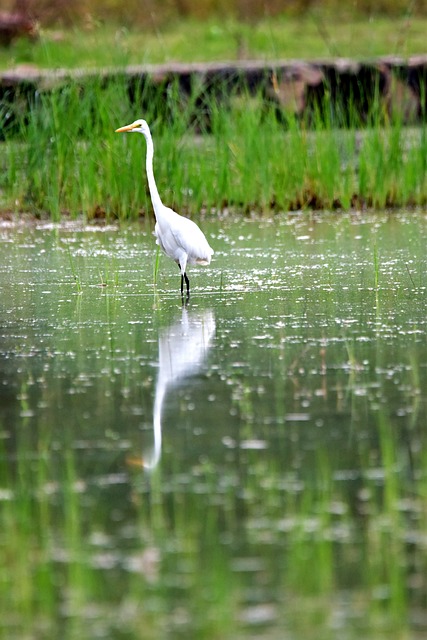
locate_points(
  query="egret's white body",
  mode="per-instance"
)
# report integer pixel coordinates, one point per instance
(180, 238)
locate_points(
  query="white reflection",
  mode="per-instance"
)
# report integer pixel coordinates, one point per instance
(183, 347)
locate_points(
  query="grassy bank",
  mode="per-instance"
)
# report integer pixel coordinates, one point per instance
(67, 158)
(312, 35)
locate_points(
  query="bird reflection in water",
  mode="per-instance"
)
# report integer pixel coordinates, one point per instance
(183, 347)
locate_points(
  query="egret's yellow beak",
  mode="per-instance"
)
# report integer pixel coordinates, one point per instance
(128, 127)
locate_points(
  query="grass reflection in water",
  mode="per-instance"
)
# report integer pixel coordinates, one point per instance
(289, 497)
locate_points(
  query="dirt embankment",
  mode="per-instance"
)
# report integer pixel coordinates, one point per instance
(394, 87)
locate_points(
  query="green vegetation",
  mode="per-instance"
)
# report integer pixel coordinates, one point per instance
(311, 36)
(66, 157)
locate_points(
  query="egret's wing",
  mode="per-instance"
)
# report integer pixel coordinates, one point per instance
(189, 237)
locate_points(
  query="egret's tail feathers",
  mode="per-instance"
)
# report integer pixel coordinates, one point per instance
(206, 258)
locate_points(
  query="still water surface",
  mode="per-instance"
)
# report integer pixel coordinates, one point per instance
(251, 465)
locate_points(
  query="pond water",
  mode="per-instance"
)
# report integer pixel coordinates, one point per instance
(250, 465)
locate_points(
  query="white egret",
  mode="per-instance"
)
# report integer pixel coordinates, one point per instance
(180, 238)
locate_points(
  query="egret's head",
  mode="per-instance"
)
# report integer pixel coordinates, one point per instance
(139, 126)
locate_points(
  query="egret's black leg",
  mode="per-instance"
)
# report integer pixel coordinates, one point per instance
(187, 284)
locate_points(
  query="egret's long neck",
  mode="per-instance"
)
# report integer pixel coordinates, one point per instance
(155, 198)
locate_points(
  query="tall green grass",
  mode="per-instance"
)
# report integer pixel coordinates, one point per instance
(68, 160)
